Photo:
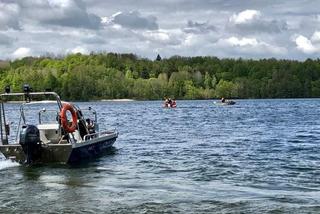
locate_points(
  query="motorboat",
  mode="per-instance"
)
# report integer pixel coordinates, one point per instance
(169, 104)
(226, 102)
(48, 130)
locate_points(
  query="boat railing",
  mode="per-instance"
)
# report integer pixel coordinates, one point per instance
(28, 95)
(98, 134)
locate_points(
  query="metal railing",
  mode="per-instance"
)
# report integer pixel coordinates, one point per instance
(98, 134)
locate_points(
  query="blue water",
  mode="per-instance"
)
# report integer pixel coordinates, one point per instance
(258, 156)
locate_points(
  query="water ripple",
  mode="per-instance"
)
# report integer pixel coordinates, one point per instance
(258, 156)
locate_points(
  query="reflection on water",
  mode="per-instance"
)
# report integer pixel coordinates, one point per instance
(258, 156)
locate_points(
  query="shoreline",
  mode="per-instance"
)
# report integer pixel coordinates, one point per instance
(117, 100)
(133, 100)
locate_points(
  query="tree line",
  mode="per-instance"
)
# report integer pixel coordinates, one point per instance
(114, 76)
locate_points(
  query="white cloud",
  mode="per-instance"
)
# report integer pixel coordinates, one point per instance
(157, 35)
(250, 46)
(109, 20)
(162, 37)
(67, 13)
(224, 28)
(132, 20)
(78, 49)
(21, 52)
(190, 40)
(200, 41)
(9, 16)
(305, 45)
(245, 16)
(252, 21)
(315, 37)
(105, 20)
(234, 41)
(59, 3)
(199, 27)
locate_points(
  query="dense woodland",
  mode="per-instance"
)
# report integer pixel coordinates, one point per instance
(113, 76)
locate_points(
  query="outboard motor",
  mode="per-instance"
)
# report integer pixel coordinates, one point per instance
(30, 142)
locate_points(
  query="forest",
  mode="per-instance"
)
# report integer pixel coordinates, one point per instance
(99, 76)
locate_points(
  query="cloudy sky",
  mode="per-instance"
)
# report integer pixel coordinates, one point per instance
(287, 29)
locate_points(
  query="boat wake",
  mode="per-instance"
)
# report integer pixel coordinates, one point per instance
(4, 164)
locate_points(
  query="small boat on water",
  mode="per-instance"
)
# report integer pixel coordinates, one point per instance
(47, 135)
(168, 103)
(169, 106)
(224, 102)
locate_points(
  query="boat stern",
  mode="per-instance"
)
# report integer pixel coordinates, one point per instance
(50, 153)
(13, 152)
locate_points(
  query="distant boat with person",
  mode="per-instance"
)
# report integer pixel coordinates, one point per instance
(224, 101)
(169, 103)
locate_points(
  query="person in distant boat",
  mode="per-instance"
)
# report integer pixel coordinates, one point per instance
(227, 102)
(165, 102)
(173, 104)
(169, 102)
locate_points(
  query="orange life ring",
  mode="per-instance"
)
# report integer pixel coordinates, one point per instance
(64, 120)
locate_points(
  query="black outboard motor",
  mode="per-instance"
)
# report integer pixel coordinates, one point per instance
(30, 142)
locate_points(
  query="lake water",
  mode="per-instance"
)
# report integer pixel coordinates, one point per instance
(258, 156)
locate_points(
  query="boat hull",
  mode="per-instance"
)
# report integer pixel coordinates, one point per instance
(225, 103)
(63, 153)
(91, 150)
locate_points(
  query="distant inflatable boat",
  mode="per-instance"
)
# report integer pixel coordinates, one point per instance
(228, 102)
(169, 106)
(169, 103)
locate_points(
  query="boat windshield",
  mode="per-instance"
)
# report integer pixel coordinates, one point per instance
(39, 113)
(32, 108)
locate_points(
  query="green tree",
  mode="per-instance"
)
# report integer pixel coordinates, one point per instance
(207, 81)
(226, 89)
